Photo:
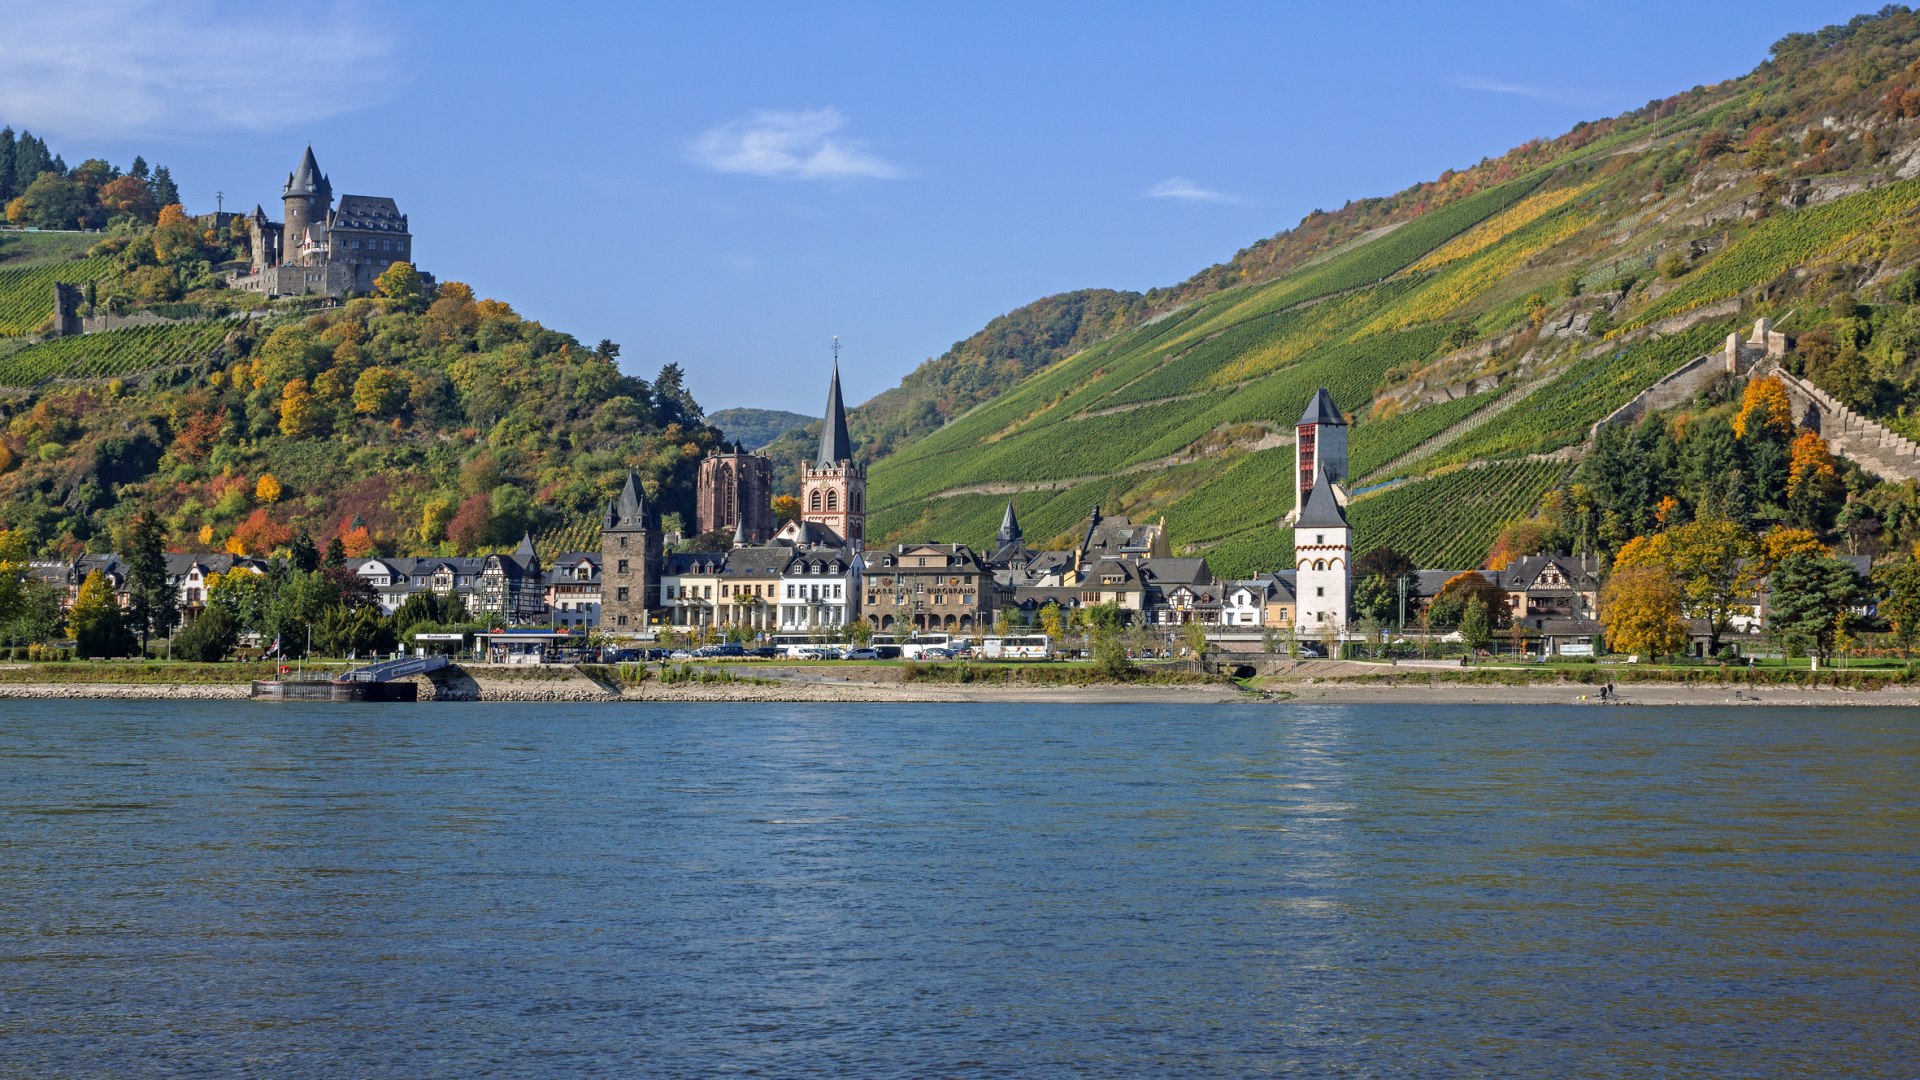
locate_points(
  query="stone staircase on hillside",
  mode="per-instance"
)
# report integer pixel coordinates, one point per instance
(1875, 447)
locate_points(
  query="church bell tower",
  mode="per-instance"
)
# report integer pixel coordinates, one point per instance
(833, 488)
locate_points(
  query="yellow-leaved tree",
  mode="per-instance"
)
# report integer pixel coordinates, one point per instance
(268, 489)
(1640, 608)
(1715, 564)
(1764, 408)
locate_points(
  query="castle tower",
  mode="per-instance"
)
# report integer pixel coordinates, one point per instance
(307, 198)
(630, 560)
(1323, 561)
(1319, 447)
(833, 489)
(735, 488)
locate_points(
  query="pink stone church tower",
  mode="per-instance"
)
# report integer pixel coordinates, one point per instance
(833, 487)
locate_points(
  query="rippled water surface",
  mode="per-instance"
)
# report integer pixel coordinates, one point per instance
(957, 890)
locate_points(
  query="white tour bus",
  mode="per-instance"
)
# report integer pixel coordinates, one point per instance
(1021, 647)
(920, 643)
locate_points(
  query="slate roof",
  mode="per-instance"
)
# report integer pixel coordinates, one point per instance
(1322, 510)
(370, 213)
(629, 510)
(835, 445)
(1322, 410)
(1177, 571)
(308, 179)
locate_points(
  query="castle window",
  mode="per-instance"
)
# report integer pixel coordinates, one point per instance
(1319, 564)
(620, 594)
(621, 566)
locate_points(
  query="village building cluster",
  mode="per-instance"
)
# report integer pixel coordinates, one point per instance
(815, 575)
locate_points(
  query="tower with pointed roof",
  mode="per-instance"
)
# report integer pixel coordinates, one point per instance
(630, 561)
(1322, 537)
(1319, 447)
(734, 488)
(833, 486)
(307, 198)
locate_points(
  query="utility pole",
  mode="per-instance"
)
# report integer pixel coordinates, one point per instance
(219, 201)
(1403, 604)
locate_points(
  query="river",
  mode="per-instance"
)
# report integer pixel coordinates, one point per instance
(957, 890)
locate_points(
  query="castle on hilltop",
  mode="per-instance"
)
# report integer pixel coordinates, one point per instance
(320, 249)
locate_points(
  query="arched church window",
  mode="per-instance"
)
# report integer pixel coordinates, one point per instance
(833, 500)
(813, 500)
(857, 503)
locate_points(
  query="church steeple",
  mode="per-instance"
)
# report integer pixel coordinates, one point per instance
(835, 445)
(1009, 527)
(833, 487)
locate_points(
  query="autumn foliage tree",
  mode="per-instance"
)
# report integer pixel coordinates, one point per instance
(1712, 560)
(1813, 481)
(1764, 408)
(1640, 609)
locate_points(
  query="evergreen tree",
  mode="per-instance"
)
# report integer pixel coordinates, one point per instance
(302, 554)
(152, 603)
(7, 190)
(335, 556)
(1809, 600)
(165, 191)
(138, 169)
(672, 399)
(209, 639)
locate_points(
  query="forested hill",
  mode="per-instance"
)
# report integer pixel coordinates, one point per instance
(755, 428)
(413, 422)
(1478, 325)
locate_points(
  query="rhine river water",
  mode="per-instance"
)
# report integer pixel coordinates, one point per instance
(957, 890)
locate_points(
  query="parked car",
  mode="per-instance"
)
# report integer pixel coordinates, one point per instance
(764, 652)
(679, 654)
(860, 654)
(936, 654)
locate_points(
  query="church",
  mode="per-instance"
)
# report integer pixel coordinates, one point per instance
(320, 249)
(814, 558)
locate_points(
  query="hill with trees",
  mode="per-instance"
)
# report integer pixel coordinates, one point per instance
(1476, 327)
(755, 428)
(422, 420)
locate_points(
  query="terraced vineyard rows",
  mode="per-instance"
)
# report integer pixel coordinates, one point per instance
(115, 352)
(26, 294)
(1781, 242)
(1448, 521)
(1560, 412)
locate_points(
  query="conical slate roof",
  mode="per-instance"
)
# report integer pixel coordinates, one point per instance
(629, 511)
(835, 445)
(525, 549)
(740, 532)
(1009, 527)
(308, 179)
(1322, 510)
(1322, 410)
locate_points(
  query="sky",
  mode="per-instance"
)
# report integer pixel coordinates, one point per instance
(729, 186)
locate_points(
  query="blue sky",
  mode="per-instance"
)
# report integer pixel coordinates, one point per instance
(728, 186)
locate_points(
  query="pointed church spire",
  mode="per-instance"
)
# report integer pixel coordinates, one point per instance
(835, 445)
(1009, 527)
(740, 532)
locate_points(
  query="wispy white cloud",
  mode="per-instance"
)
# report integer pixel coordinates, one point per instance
(1179, 187)
(1559, 95)
(146, 67)
(802, 145)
